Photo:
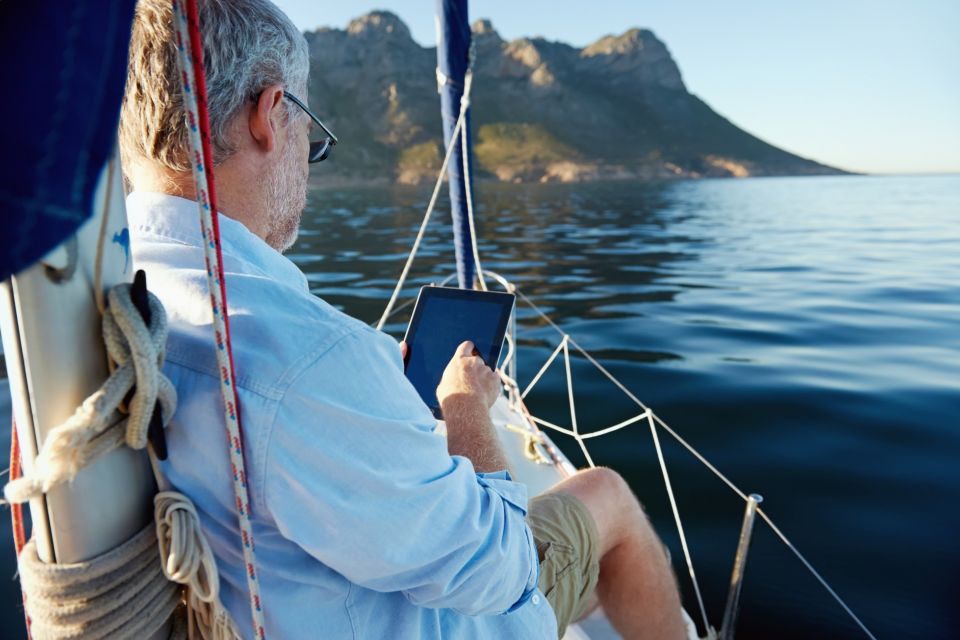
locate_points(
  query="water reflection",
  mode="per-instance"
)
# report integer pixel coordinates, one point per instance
(594, 253)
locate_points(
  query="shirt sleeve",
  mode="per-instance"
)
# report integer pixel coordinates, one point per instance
(357, 477)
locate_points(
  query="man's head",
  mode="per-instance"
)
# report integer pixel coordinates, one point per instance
(252, 53)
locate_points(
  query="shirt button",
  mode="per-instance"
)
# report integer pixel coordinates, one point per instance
(535, 599)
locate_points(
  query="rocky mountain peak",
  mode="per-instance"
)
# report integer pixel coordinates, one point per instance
(484, 28)
(628, 42)
(635, 55)
(379, 23)
(523, 51)
(634, 118)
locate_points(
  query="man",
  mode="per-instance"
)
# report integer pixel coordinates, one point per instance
(367, 523)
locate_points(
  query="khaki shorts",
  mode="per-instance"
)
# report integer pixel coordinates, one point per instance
(568, 545)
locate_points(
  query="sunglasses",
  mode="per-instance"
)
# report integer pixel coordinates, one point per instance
(318, 150)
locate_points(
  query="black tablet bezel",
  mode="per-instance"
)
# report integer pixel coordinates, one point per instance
(506, 301)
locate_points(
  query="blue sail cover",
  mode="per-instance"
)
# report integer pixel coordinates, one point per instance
(63, 73)
(453, 58)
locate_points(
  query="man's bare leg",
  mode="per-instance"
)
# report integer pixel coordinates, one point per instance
(637, 587)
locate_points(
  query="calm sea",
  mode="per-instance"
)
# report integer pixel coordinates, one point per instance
(802, 333)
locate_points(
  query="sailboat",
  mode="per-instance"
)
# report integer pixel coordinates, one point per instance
(50, 316)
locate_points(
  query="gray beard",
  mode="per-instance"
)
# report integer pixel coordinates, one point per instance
(287, 190)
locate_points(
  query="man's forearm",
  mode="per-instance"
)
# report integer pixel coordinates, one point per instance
(471, 434)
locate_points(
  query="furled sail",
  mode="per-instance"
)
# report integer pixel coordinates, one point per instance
(453, 62)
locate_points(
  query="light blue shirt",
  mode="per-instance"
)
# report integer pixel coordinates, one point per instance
(365, 526)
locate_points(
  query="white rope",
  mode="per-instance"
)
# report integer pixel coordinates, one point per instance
(655, 421)
(464, 103)
(550, 425)
(125, 592)
(546, 365)
(102, 234)
(120, 594)
(408, 303)
(616, 427)
(465, 154)
(679, 522)
(94, 428)
(815, 573)
(186, 558)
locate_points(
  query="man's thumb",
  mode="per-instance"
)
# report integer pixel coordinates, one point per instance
(465, 349)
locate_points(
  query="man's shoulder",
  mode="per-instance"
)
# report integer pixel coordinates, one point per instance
(282, 330)
(278, 329)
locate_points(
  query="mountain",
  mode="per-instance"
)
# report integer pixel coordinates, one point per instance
(541, 110)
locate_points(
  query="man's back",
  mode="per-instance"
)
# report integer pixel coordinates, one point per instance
(365, 527)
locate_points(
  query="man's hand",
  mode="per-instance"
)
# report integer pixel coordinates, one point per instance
(467, 391)
(467, 380)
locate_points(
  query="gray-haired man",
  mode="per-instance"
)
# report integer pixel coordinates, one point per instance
(368, 524)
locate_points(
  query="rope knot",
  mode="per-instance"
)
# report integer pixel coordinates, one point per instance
(131, 342)
(94, 429)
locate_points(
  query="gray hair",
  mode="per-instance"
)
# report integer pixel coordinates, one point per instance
(248, 45)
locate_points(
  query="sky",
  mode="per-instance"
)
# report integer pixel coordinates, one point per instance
(865, 85)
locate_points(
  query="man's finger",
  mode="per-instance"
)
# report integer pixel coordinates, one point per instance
(404, 349)
(465, 350)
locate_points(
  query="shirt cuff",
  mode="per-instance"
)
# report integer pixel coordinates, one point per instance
(534, 580)
(500, 481)
(515, 494)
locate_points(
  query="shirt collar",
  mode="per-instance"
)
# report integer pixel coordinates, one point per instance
(174, 218)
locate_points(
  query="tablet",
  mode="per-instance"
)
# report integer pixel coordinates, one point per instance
(442, 319)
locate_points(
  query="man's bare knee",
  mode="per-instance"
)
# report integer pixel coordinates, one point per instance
(608, 497)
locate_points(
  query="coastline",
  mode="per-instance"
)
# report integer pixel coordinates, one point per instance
(557, 175)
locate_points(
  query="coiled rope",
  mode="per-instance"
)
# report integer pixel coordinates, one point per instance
(93, 429)
(124, 592)
(120, 594)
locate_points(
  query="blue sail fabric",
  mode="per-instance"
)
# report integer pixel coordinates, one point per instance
(453, 59)
(65, 65)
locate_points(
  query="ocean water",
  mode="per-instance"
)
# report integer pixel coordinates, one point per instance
(802, 333)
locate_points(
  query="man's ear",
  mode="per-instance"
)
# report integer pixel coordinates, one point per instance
(266, 118)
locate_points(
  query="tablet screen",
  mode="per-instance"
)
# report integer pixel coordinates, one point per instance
(444, 318)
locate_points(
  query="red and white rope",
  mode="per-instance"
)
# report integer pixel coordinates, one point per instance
(190, 61)
(16, 510)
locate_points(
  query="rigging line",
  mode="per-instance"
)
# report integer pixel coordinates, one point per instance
(511, 351)
(411, 301)
(16, 512)
(616, 427)
(586, 453)
(429, 212)
(558, 460)
(686, 445)
(102, 235)
(465, 154)
(543, 369)
(676, 517)
(550, 425)
(193, 83)
(705, 462)
(699, 456)
(815, 573)
(573, 408)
